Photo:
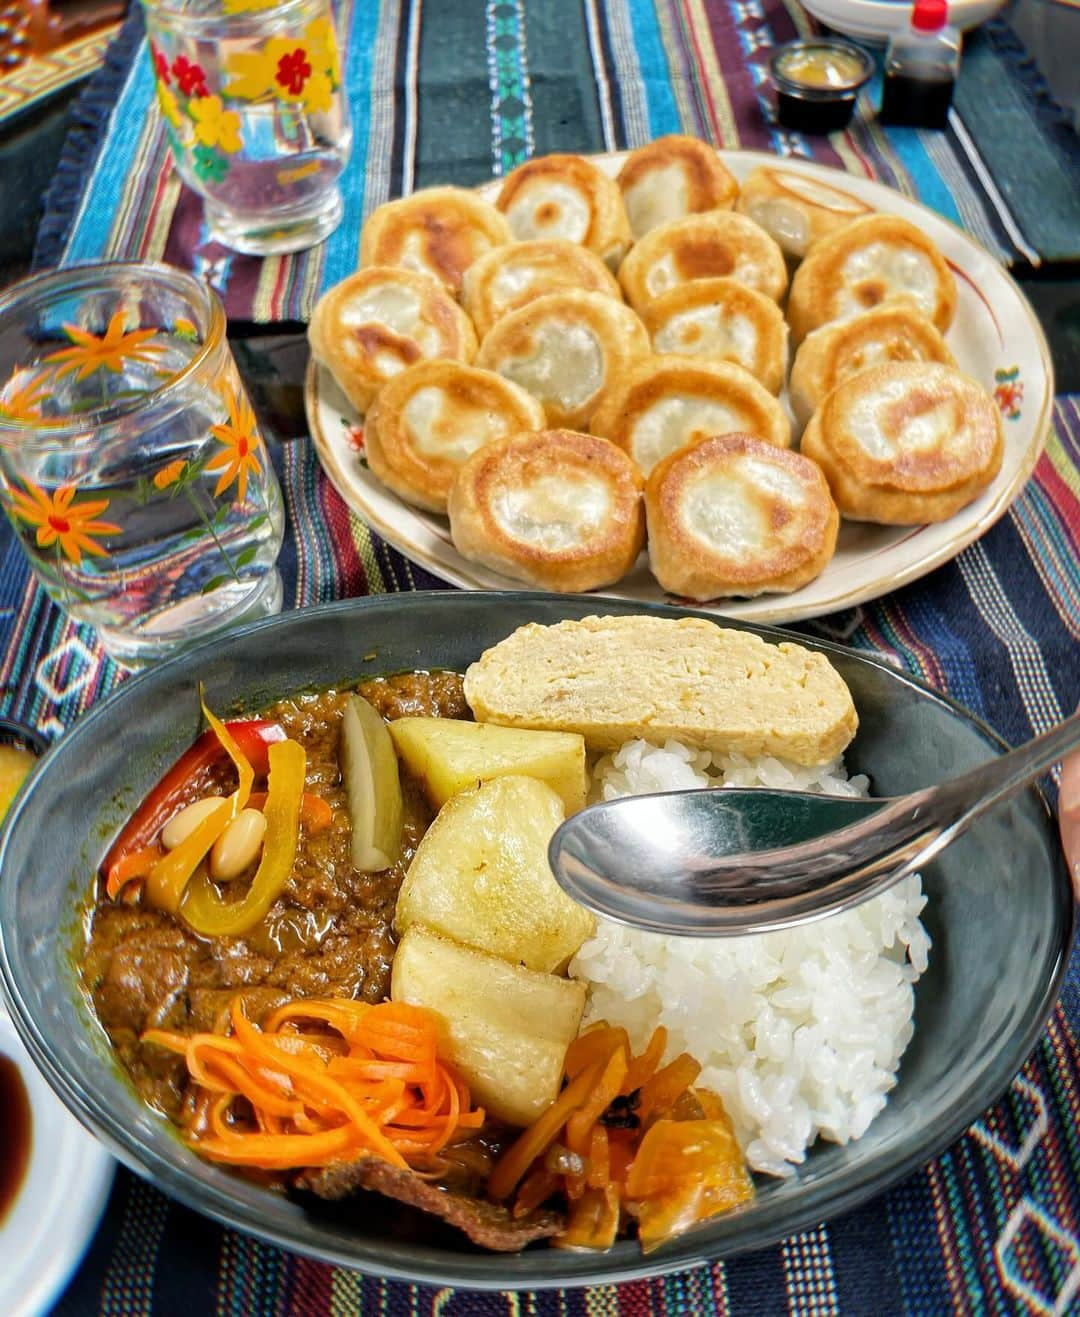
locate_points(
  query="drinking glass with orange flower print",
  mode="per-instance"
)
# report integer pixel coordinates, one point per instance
(134, 471)
(251, 100)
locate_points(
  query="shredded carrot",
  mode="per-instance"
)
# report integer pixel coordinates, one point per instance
(662, 1091)
(579, 1126)
(536, 1188)
(599, 1173)
(620, 1156)
(595, 1144)
(595, 1044)
(540, 1135)
(372, 1083)
(643, 1067)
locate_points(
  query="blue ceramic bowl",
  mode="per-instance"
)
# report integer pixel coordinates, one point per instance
(1000, 913)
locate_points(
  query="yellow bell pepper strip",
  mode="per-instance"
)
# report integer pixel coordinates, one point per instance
(239, 798)
(166, 881)
(253, 736)
(202, 905)
(168, 878)
(536, 1140)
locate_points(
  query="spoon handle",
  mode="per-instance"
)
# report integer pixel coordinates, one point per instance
(907, 831)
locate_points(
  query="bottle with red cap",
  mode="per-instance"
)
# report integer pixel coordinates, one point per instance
(921, 64)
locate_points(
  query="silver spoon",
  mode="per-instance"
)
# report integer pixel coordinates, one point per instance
(733, 860)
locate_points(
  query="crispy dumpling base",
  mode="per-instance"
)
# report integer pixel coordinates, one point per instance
(565, 349)
(661, 403)
(510, 277)
(555, 509)
(722, 320)
(378, 321)
(894, 331)
(871, 260)
(671, 177)
(734, 515)
(906, 443)
(717, 244)
(426, 421)
(567, 196)
(794, 209)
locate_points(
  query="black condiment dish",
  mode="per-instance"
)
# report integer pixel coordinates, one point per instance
(810, 107)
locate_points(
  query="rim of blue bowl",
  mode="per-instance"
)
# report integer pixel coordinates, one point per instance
(826, 1204)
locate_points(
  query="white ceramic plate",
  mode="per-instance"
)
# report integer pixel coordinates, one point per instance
(877, 20)
(995, 337)
(57, 1208)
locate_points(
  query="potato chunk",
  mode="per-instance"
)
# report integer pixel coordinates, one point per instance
(449, 755)
(481, 876)
(505, 1028)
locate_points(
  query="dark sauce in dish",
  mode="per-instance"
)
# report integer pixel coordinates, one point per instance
(17, 1125)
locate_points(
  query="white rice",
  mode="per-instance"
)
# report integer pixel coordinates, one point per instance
(800, 1031)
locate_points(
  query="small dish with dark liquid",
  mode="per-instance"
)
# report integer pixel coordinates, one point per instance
(817, 82)
(17, 1123)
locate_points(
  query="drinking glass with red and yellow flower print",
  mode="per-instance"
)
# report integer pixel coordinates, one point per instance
(132, 466)
(250, 96)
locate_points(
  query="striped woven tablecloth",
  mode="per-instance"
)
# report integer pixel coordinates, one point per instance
(456, 92)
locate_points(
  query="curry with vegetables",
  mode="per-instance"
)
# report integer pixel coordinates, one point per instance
(327, 946)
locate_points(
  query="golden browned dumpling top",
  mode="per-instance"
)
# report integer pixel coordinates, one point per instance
(871, 260)
(906, 442)
(796, 209)
(439, 231)
(722, 320)
(566, 196)
(557, 509)
(718, 244)
(733, 515)
(565, 349)
(672, 177)
(662, 403)
(894, 331)
(426, 421)
(509, 277)
(375, 323)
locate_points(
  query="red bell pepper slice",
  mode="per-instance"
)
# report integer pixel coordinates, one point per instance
(254, 736)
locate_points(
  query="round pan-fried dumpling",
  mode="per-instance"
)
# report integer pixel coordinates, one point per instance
(510, 277)
(718, 244)
(894, 331)
(662, 403)
(734, 515)
(869, 261)
(671, 177)
(426, 421)
(566, 349)
(906, 442)
(372, 325)
(566, 196)
(722, 320)
(439, 231)
(794, 209)
(556, 509)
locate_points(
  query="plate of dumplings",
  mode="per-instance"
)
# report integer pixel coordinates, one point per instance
(755, 383)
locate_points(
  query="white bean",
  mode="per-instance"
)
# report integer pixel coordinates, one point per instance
(238, 845)
(183, 823)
